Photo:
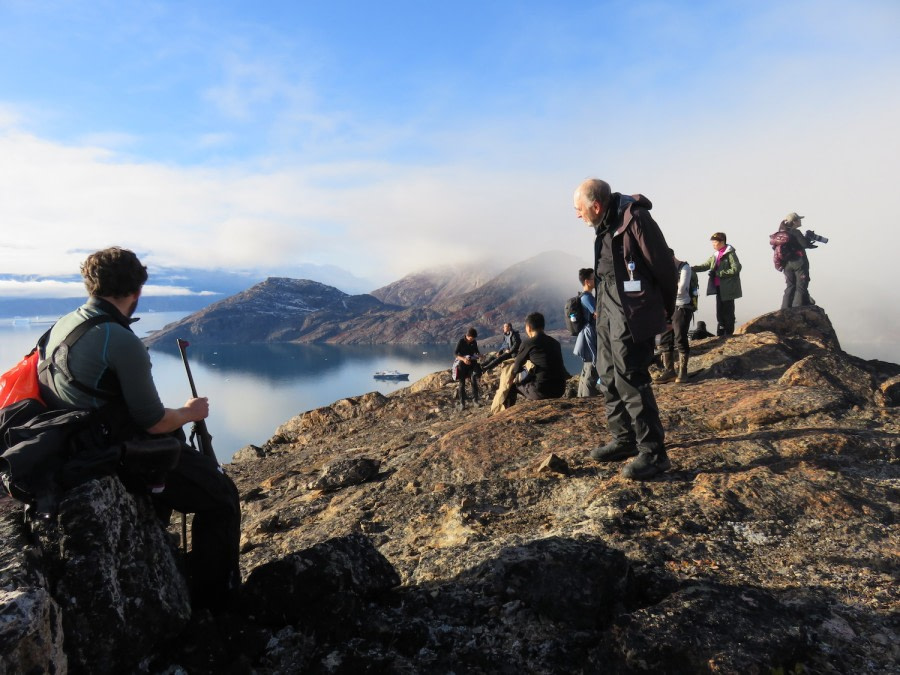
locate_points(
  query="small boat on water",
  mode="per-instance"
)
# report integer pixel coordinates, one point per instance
(390, 375)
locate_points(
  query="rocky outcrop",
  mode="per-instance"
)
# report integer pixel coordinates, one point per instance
(767, 547)
(397, 534)
(94, 589)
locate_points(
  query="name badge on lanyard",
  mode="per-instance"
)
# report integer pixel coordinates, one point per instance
(632, 285)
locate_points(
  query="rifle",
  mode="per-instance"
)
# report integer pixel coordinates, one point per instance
(198, 430)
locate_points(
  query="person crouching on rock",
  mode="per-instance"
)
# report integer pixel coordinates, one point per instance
(547, 377)
(467, 367)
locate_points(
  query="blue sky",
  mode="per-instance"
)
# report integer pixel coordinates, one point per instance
(386, 137)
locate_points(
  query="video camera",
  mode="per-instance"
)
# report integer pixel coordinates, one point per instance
(812, 236)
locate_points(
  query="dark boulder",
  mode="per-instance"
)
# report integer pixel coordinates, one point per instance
(106, 569)
(326, 586)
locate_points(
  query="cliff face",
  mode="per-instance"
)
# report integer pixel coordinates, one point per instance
(396, 534)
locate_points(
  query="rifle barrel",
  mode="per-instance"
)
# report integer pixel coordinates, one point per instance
(204, 438)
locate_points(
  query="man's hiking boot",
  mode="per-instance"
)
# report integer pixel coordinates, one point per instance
(614, 450)
(668, 373)
(682, 369)
(647, 465)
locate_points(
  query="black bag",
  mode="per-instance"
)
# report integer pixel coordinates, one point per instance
(694, 289)
(53, 451)
(574, 315)
(44, 450)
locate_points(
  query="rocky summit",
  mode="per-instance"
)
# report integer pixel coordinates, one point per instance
(395, 534)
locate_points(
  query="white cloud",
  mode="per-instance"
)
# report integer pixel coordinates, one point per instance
(50, 288)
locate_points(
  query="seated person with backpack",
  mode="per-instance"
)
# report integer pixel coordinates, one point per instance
(511, 344)
(547, 377)
(116, 364)
(466, 367)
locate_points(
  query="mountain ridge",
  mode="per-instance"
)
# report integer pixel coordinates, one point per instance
(309, 312)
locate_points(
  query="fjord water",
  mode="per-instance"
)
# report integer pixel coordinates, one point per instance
(253, 389)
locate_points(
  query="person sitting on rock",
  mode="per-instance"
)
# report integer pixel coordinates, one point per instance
(114, 358)
(547, 377)
(467, 367)
(511, 344)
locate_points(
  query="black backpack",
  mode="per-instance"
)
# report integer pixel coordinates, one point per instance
(694, 289)
(37, 443)
(574, 314)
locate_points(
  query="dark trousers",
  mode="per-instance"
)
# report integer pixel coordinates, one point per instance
(677, 338)
(724, 315)
(466, 372)
(496, 361)
(196, 485)
(623, 364)
(796, 284)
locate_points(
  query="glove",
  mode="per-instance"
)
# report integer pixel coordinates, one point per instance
(712, 274)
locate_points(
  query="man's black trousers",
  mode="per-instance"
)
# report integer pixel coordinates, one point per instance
(196, 485)
(623, 364)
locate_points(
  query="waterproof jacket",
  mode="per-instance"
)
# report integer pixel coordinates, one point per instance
(637, 238)
(728, 272)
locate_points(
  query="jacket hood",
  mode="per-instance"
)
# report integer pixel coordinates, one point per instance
(637, 200)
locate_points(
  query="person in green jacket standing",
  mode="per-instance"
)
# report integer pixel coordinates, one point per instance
(724, 281)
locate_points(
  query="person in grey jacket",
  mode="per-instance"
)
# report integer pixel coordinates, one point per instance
(636, 279)
(724, 281)
(511, 343)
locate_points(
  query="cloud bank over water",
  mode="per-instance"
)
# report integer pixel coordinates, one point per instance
(372, 141)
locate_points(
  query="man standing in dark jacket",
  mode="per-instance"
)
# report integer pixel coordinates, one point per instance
(636, 287)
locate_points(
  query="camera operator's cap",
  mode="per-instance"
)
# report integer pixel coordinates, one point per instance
(792, 217)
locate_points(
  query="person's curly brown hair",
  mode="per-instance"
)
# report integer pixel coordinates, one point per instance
(113, 273)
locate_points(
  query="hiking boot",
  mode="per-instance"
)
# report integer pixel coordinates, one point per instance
(682, 369)
(668, 373)
(614, 450)
(647, 465)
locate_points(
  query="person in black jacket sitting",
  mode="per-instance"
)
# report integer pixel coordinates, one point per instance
(510, 348)
(547, 378)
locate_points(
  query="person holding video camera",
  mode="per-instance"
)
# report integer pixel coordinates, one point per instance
(796, 267)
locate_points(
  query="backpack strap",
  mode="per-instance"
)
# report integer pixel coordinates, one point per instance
(58, 361)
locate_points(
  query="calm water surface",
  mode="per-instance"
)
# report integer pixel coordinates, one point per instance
(253, 389)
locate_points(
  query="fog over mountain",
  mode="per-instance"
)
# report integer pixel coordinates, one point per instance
(290, 310)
